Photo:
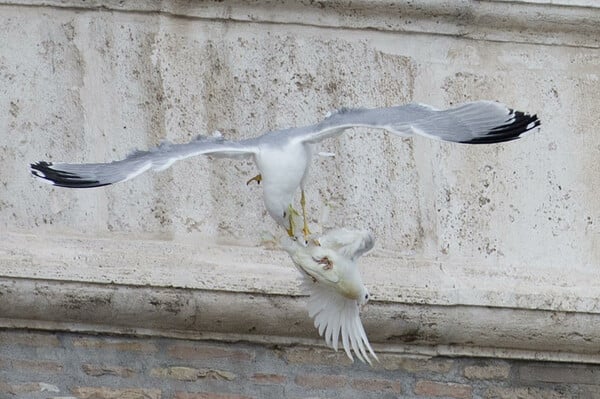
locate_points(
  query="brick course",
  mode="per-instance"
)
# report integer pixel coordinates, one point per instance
(376, 385)
(578, 374)
(321, 381)
(65, 365)
(19, 337)
(445, 389)
(40, 366)
(96, 370)
(114, 344)
(209, 395)
(413, 364)
(268, 378)
(191, 374)
(115, 393)
(490, 371)
(529, 393)
(186, 351)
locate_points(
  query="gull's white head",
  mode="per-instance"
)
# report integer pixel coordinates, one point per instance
(283, 213)
(278, 207)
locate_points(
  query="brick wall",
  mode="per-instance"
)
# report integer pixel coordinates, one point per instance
(66, 365)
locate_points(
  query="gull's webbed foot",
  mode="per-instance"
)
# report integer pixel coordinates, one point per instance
(257, 179)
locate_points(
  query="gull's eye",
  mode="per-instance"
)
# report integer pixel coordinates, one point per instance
(366, 296)
(284, 214)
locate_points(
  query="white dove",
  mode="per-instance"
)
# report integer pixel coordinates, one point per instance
(283, 156)
(337, 292)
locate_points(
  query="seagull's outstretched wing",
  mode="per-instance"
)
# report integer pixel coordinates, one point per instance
(479, 122)
(87, 175)
(335, 316)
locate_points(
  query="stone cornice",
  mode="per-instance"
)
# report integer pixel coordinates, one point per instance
(252, 294)
(570, 23)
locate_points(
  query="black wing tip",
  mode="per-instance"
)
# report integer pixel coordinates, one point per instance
(520, 124)
(61, 178)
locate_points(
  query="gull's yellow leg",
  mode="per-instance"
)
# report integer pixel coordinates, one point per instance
(257, 179)
(291, 213)
(305, 229)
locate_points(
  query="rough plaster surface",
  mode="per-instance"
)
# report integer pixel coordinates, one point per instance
(513, 225)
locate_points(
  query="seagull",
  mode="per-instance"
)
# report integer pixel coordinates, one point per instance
(337, 292)
(283, 156)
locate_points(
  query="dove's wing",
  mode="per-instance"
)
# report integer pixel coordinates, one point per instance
(101, 174)
(337, 316)
(479, 122)
(349, 243)
(306, 261)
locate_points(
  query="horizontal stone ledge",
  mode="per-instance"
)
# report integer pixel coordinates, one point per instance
(572, 23)
(191, 288)
(231, 316)
(197, 264)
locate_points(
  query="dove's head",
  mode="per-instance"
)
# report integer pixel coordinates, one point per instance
(363, 296)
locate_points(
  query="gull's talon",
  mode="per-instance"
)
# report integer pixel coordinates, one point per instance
(291, 212)
(306, 231)
(257, 179)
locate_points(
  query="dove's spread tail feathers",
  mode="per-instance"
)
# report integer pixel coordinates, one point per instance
(338, 317)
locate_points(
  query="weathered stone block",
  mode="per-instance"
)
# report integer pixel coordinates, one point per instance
(115, 393)
(490, 371)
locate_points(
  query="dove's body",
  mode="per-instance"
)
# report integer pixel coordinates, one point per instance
(337, 290)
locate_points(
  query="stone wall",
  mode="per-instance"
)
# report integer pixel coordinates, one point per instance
(482, 252)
